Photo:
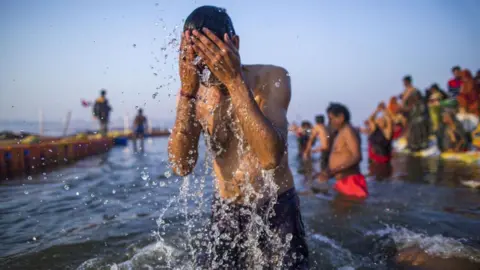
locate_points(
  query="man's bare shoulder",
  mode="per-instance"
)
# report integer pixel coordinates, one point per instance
(270, 80)
(260, 69)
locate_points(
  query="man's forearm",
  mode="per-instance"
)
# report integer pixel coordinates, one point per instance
(266, 141)
(353, 160)
(183, 143)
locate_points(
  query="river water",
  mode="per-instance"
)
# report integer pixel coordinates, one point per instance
(103, 213)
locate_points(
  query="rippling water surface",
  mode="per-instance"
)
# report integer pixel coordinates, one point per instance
(102, 213)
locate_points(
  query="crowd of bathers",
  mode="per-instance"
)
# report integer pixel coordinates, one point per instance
(447, 120)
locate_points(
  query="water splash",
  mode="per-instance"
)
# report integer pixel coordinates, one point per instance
(436, 245)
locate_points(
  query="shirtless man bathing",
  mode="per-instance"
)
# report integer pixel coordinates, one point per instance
(242, 109)
(345, 155)
(319, 131)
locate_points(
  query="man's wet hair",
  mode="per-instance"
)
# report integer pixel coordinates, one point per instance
(103, 92)
(214, 18)
(339, 109)
(407, 78)
(456, 68)
(306, 124)
(320, 119)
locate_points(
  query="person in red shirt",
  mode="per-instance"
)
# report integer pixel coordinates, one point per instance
(456, 82)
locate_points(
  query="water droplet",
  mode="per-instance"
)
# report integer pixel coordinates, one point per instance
(105, 202)
(77, 193)
(113, 191)
(277, 84)
(34, 238)
(26, 192)
(144, 176)
(66, 187)
(29, 178)
(155, 74)
(162, 184)
(134, 45)
(289, 237)
(167, 174)
(92, 195)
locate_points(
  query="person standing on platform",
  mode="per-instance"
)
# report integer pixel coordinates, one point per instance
(101, 111)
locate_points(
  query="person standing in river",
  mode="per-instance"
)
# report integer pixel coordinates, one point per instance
(321, 133)
(345, 156)
(418, 119)
(139, 128)
(242, 110)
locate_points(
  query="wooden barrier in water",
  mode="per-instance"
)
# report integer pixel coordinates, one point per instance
(21, 159)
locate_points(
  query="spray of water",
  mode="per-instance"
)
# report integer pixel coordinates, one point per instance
(240, 231)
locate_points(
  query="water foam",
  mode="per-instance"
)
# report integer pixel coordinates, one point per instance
(436, 245)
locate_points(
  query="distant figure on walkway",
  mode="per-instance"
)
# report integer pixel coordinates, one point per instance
(456, 82)
(418, 119)
(139, 127)
(101, 111)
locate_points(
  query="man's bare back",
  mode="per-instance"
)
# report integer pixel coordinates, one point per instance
(234, 162)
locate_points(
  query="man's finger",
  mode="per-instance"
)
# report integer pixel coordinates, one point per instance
(198, 43)
(229, 42)
(220, 44)
(200, 38)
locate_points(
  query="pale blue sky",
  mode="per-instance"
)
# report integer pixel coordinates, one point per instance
(54, 53)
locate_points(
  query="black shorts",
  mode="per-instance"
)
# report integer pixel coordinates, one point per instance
(234, 227)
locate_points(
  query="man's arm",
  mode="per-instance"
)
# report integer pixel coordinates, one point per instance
(389, 125)
(308, 147)
(183, 142)
(322, 135)
(353, 144)
(265, 127)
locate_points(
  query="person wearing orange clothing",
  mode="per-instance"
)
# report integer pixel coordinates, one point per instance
(469, 94)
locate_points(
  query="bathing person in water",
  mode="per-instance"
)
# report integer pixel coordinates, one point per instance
(241, 110)
(319, 132)
(453, 137)
(303, 136)
(418, 119)
(345, 155)
(380, 136)
(456, 82)
(139, 127)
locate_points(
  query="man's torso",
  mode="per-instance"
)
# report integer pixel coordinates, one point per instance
(340, 153)
(235, 164)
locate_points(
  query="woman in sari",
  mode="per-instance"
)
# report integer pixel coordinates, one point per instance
(399, 121)
(418, 120)
(469, 94)
(434, 96)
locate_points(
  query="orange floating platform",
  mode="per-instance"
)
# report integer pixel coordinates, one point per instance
(18, 159)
